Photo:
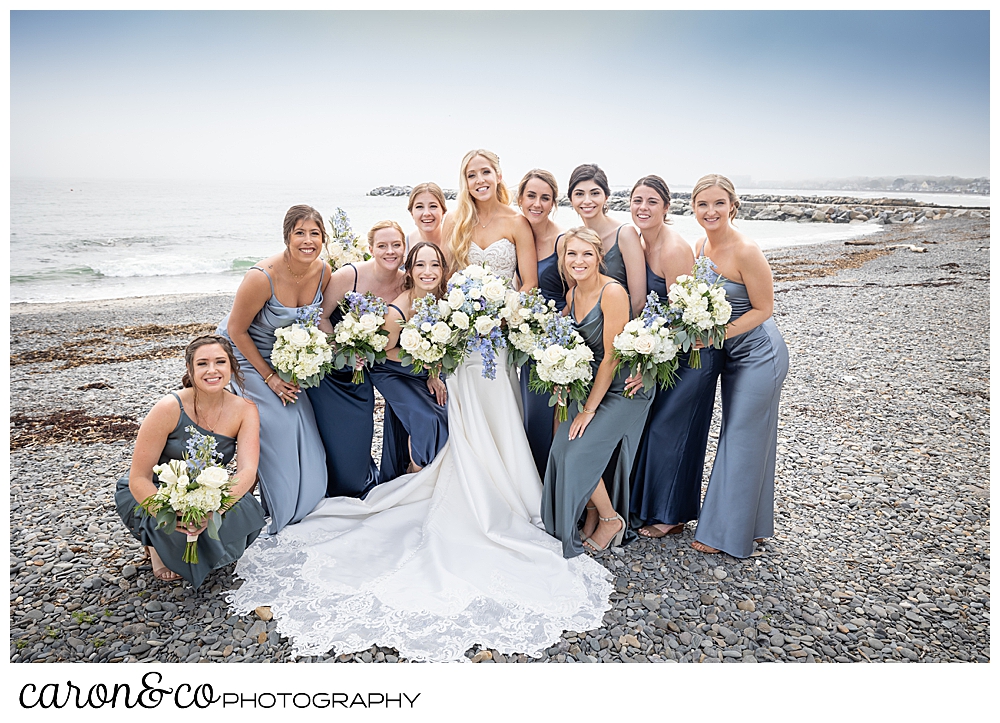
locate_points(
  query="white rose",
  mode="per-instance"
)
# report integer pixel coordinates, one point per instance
(342, 337)
(369, 323)
(460, 319)
(440, 332)
(457, 279)
(494, 290)
(513, 299)
(633, 326)
(444, 308)
(645, 344)
(426, 327)
(409, 339)
(475, 272)
(298, 336)
(456, 298)
(484, 325)
(553, 355)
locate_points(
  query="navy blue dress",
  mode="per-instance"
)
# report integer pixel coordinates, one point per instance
(345, 415)
(411, 413)
(666, 481)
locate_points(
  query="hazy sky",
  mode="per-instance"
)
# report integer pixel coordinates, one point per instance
(363, 98)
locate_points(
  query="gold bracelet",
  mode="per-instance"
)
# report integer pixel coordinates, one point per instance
(268, 377)
(588, 411)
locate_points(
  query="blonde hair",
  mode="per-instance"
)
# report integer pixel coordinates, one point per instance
(381, 225)
(712, 180)
(543, 176)
(587, 235)
(431, 188)
(465, 211)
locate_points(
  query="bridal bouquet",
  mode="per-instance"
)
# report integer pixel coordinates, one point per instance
(301, 354)
(526, 314)
(699, 304)
(434, 338)
(359, 336)
(343, 246)
(562, 365)
(190, 489)
(647, 345)
(478, 295)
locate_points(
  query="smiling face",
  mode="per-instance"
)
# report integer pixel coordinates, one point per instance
(481, 179)
(210, 369)
(648, 208)
(537, 201)
(426, 272)
(427, 212)
(387, 247)
(588, 199)
(580, 259)
(305, 240)
(712, 208)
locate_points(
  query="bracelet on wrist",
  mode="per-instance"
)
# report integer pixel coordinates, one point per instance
(588, 411)
(268, 377)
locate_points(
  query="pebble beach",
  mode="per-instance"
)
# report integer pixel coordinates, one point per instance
(882, 510)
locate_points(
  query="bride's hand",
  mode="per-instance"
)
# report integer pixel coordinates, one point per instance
(579, 424)
(438, 388)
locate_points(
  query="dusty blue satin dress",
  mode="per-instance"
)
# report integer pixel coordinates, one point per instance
(606, 449)
(411, 414)
(292, 466)
(240, 525)
(345, 414)
(739, 501)
(538, 415)
(666, 481)
(614, 264)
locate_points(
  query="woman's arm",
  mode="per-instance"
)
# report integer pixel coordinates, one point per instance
(394, 320)
(527, 260)
(247, 448)
(253, 293)
(149, 444)
(756, 273)
(635, 267)
(341, 281)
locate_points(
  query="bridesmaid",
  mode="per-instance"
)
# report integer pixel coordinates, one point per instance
(427, 206)
(205, 403)
(623, 259)
(536, 197)
(610, 422)
(666, 481)
(416, 420)
(739, 502)
(345, 411)
(292, 468)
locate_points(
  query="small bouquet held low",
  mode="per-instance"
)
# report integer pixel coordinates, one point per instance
(526, 314)
(700, 308)
(359, 336)
(647, 345)
(562, 365)
(478, 295)
(343, 246)
(434, 338)
(301, 353)
(190, 489)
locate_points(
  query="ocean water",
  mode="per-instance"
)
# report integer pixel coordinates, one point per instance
(83, 240)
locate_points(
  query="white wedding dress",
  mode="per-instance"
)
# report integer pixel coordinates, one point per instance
(435, 562)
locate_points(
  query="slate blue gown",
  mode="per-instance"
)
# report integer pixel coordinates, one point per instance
(739, 501)
(606, 449)
(666, 481)
(240, 525)
(292, 466)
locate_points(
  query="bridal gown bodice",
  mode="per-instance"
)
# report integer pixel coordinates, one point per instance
(435, 562)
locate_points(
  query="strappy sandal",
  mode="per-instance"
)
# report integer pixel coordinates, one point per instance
(614, 541)
(162, 573)
(653, 533)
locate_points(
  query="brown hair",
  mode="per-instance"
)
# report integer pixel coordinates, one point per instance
(206, 340)
(301, 213)
(714, 179)
(462, 231)
(545, 177)
(581, 233)
(411, 259)
(589, 172)
(431, 188)
(660, 187)
(381, 225)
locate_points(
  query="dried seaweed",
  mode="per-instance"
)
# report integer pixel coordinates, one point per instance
(70, 425)
(797, 270)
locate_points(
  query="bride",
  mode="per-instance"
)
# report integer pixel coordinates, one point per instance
(453, 556)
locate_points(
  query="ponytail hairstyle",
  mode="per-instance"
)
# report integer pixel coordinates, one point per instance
(411, 260)
(206, 340)
(381, 225)
(714, 179)
(465, 213)
(660, 187)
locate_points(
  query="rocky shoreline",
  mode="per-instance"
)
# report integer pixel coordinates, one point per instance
(882, 515)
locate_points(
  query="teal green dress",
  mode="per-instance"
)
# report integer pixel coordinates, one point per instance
(606, 449)
(240, 526)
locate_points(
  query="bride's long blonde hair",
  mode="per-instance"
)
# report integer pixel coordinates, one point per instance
(465, 211)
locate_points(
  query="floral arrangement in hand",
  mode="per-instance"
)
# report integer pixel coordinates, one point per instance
(526, 314)
(434, 338)
(562, 365)
(647, 345)
(301, 353)
(478, 295)
(359, 336)
(344, 246)
(698, 303)
(191, 490)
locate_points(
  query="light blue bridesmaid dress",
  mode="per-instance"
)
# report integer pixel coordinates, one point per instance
(739, 501)
(292, 466)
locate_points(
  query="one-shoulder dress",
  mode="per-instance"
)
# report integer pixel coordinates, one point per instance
(606, 449)
(413, 418)
(241, 524)
(345, 414)
(739, 501)
(292, 466)
(666, 481)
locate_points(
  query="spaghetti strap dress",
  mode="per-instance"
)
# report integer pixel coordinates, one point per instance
(292, 465)
(345, 414)
(241, 524)
(666, 481)
(739, 501)
(614, 264)
(606, 449)
(412, 415)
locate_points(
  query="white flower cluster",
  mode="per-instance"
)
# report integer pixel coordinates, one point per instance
(301, 354)
(655, 341)
(212, 486)
(526, 314)
(433, 333)
(354, 331)
(343, 246)
(700, 305)
(563, 365)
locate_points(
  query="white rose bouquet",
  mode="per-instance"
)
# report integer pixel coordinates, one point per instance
(525, 314)
(359, 335)
(435, 337)
(698, 303)
(301, 353)
(562, 365)
(343, 246)
(647, 345)
(190, 489)
(479, 295)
